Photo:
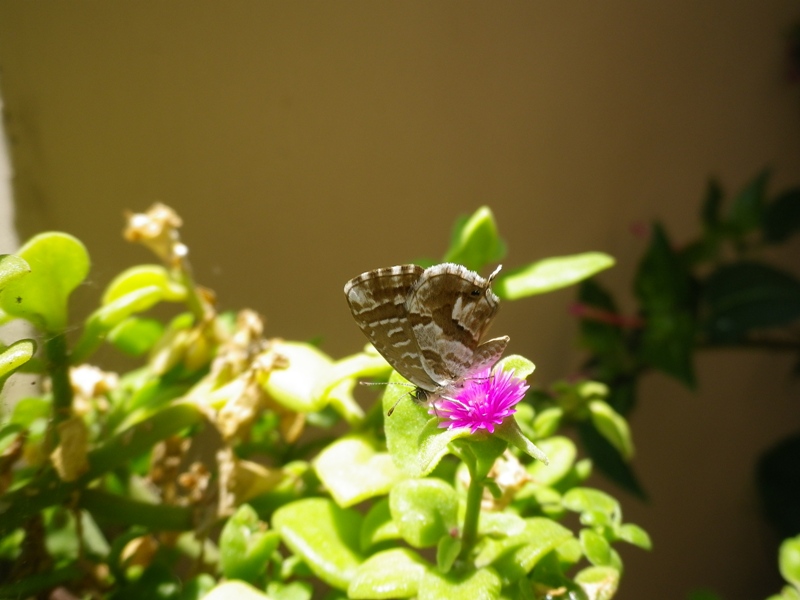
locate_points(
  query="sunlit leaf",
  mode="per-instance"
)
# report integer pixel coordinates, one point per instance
(550, 274)
(59, 263)
(324, 536)
(353, 471)
(13, 357)
(390, 574)
(475, 241)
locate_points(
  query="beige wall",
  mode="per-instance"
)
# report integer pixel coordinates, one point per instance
(304, 143)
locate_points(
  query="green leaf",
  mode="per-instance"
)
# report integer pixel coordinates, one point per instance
(596, 548)
(562, 452)
(782, 216)
(789, 560)
(390, 574)
(749, 295)
(510, 431)
(483, 584)
(583, 500)
(294, 590)
(59, 263)
(747, 209)
(606, 340)
(500, 524)
(296, 387)
(13, 357)
(550, 274)
(424, 510)
(378, 525)
(413, 437)
(340, 398)
(324, 535)
(353, 471)
(105, 318)
(598, 583)
(143, 276)
(613, 427)
(515, 555)
(520, 365)
(12, 268)
(245, 546)
(547, 422)
(197, 587)
(665, 290)
(447, 551)
(475, 241)
(136, 335)
(633, 534)
(28, 410)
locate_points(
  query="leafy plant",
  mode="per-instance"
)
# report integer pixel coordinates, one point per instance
(714, 291)
(116, 485)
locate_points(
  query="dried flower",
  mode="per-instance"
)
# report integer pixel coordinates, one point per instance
(484, 402)
(158, 230)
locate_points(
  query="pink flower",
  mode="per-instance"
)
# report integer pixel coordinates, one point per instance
(485, 400)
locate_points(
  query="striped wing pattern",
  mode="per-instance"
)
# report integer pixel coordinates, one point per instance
(428, 323)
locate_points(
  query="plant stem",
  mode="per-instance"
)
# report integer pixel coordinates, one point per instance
(57, 357)
(469, 532)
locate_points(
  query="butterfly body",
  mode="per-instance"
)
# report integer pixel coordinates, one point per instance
(428, 323)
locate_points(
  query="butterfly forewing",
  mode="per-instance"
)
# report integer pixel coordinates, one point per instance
(377, 300)
(450, 308)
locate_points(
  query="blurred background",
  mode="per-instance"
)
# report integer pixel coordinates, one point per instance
(305, 143)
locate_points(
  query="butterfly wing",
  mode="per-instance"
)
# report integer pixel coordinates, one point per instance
(450, 308)
(377, 300)
(487, 354)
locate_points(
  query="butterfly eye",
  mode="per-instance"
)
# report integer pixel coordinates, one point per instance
(476, 292)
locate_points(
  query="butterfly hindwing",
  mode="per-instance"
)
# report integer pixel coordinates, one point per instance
(377, 300)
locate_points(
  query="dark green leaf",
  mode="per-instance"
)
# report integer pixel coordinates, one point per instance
(778, 477)
(782, 216)
(665, 290)
(711, 205)
(662, 281)
(609, 461)
(747, 210)
(605, 340)
(748, 295)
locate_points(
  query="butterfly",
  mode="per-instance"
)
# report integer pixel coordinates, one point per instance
(428, 323)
